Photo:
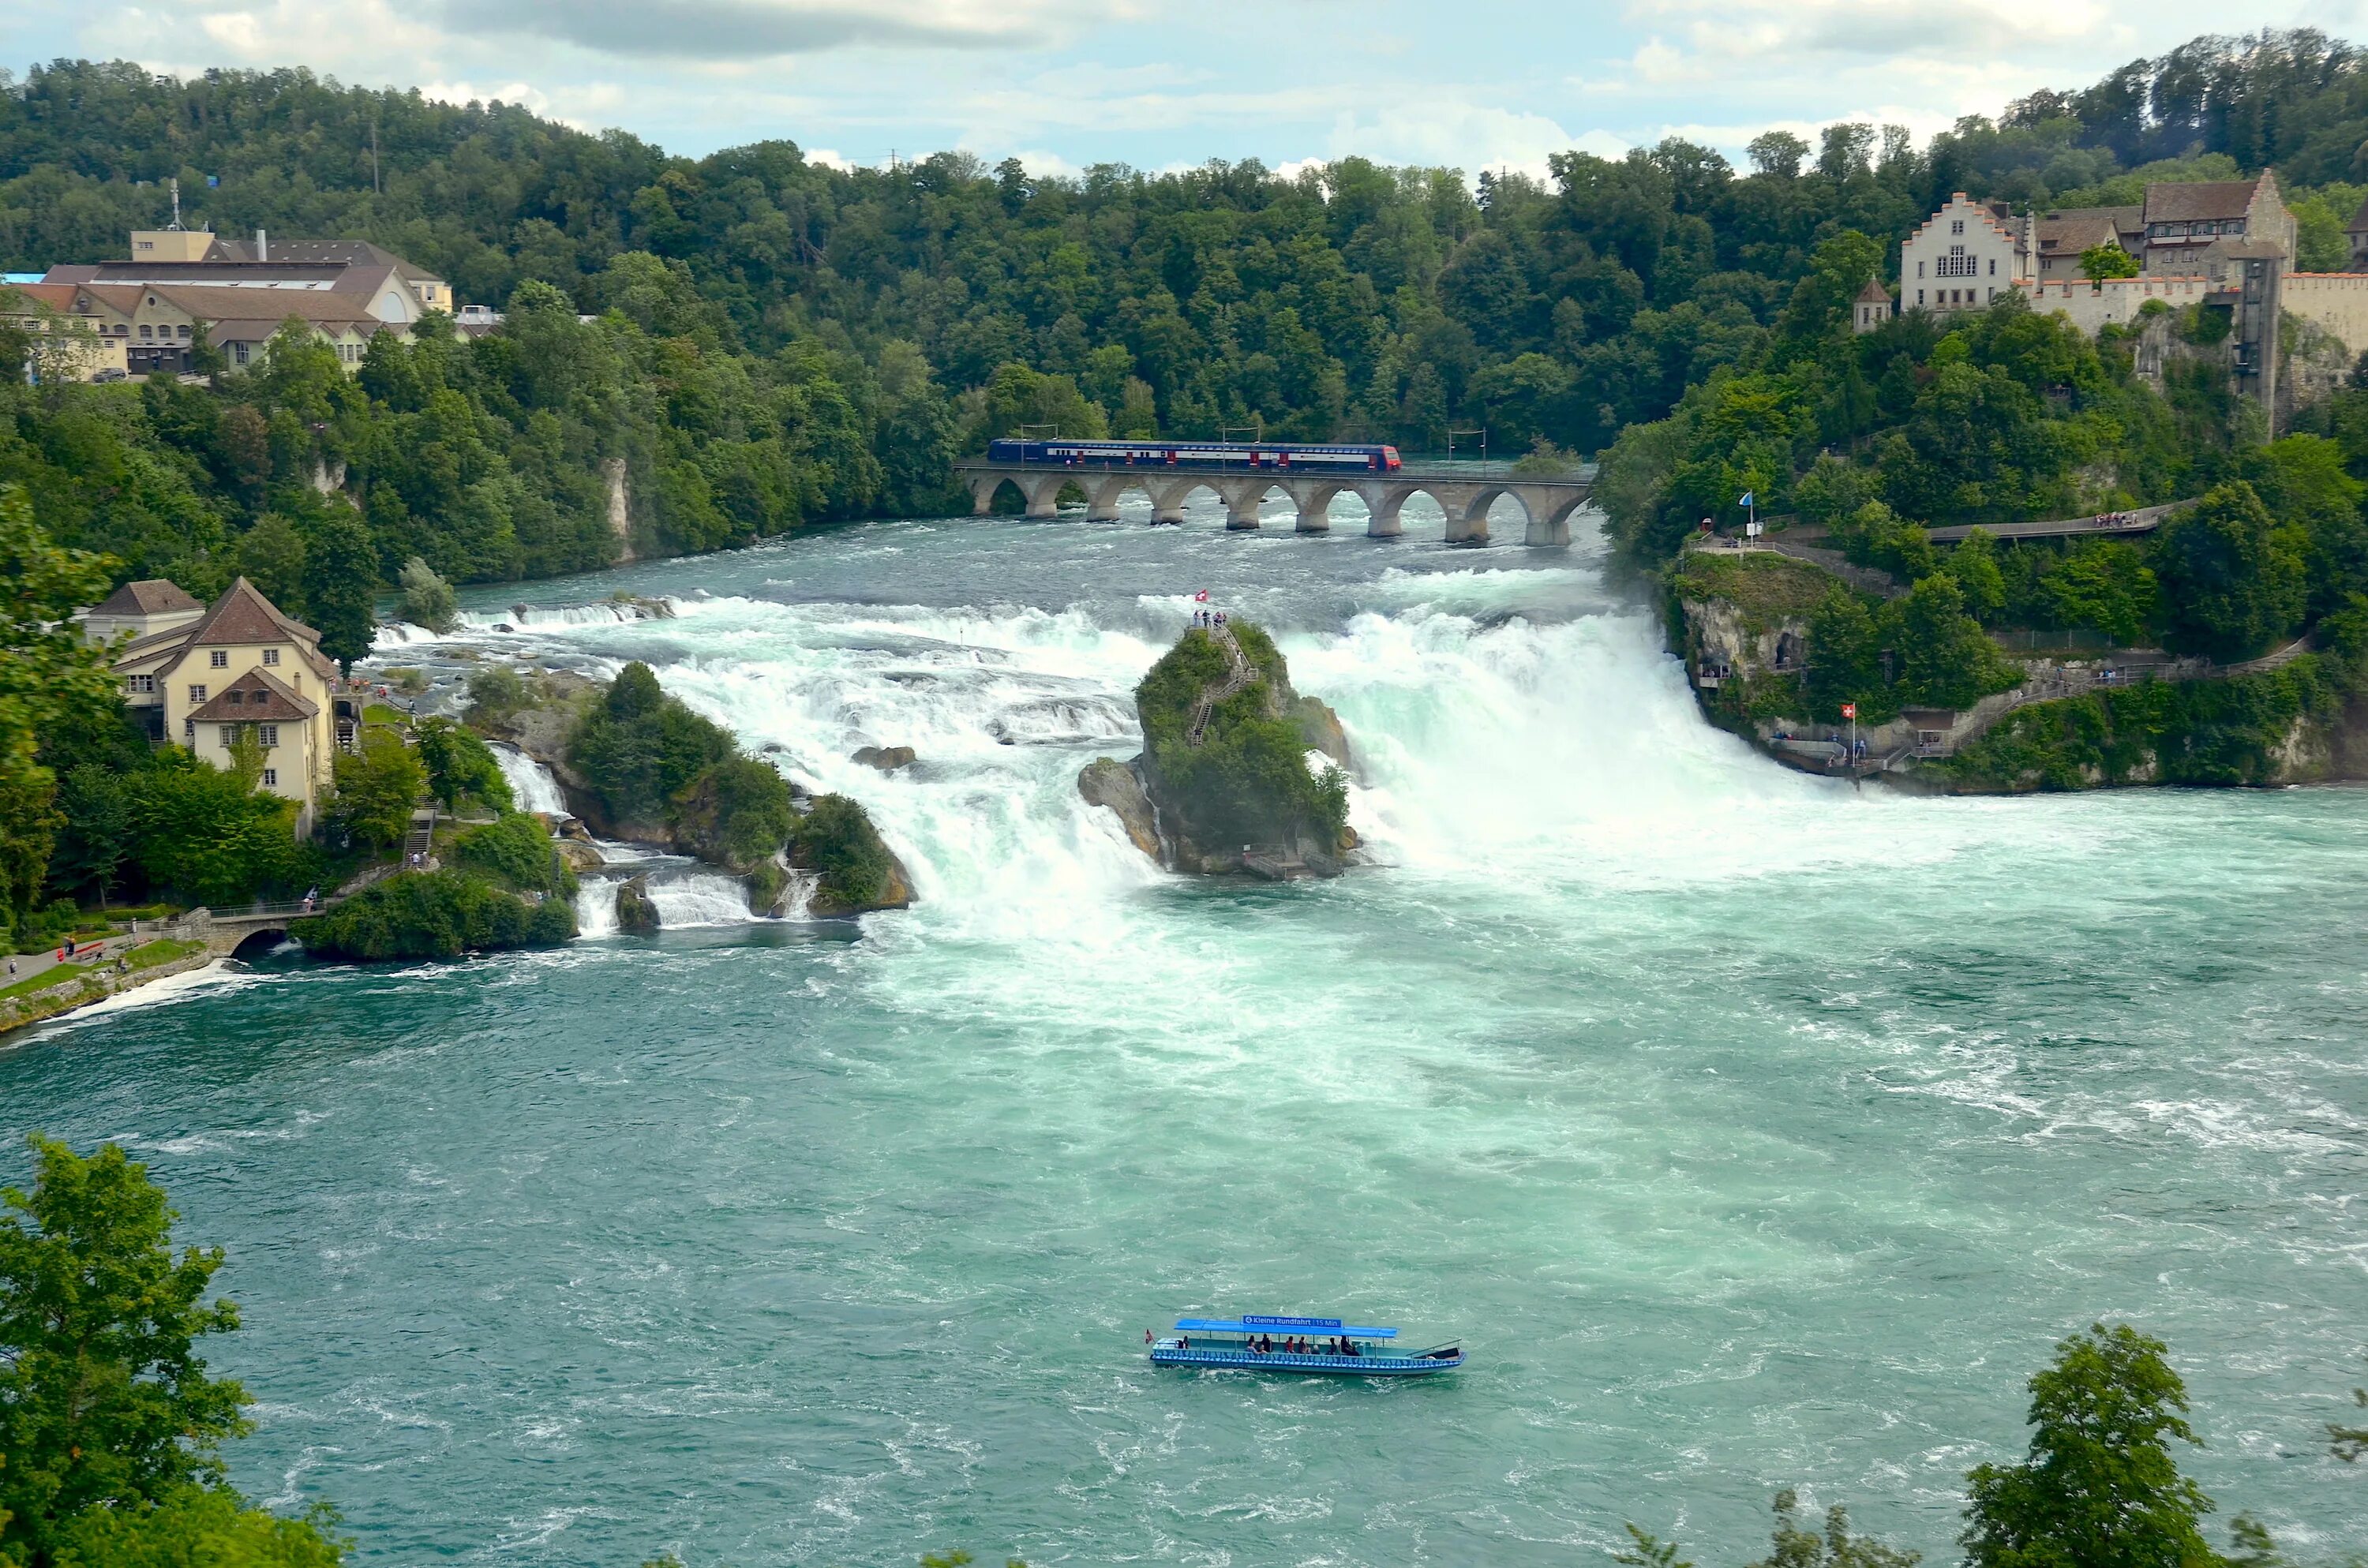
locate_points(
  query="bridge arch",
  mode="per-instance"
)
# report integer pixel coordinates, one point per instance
(1040, 492)
(257, 942)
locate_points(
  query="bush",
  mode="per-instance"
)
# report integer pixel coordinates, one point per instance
(1247, 779)
(518, 851)
(737, 811)
(836, 840)
(434, 915)
(376, 788)
(638, 749)
(461, 766)
(428, 599)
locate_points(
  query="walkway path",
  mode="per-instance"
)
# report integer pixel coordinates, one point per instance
(28, 966)
(1238, 678)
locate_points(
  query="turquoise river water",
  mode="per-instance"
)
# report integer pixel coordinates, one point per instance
(1745, 1131)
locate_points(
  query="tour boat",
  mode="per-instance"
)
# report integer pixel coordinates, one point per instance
(1311, 1345)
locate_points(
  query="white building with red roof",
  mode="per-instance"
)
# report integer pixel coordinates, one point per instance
(200, 676)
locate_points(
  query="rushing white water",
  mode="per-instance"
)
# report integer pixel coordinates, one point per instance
(533, 789)
(1752, 1131)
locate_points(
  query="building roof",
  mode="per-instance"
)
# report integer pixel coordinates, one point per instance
(322, 309)
(150, 596)
(293, 276)
(2182, 201)
(244, 615)
(257, 695)
(1875, 293)
(2074, 229)
(315, 252)
(50, 296)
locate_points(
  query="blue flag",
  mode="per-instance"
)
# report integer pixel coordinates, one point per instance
(1746, 501)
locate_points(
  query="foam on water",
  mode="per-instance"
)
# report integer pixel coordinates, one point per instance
(1752, 1132)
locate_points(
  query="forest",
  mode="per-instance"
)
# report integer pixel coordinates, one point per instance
(778, 342)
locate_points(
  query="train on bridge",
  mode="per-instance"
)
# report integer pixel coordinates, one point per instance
(1218, 456)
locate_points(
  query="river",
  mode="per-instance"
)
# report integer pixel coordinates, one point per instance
(1745, 1131)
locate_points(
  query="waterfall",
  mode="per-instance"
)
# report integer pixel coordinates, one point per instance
(532, 788)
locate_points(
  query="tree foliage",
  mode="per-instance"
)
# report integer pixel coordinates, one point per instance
(2102, 1486)
(105, 1402)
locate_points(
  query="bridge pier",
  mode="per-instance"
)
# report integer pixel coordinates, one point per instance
(1101, 503)
(1241, 500)
(1382, 509)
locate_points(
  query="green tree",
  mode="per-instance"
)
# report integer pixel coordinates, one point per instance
(208, 835)
(1974, 567)
(2232, 581)
(50, 678)
(96, 833)
(105, 1402)
(2349, 1444)
(2101, 1487)
(1946, 660)
(341, 584)
(1798, 1547)
(428, 599)
(460, 766)
(2105, 260)
(376, 788)
(271, 556)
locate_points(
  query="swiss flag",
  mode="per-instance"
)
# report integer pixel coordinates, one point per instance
(1202, 597)
(1850, 709)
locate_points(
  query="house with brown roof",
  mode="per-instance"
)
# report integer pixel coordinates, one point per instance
(202, 676)
(140, 610)
(383, 283)
(69, 343)
(2059, 237)
(2192, 227)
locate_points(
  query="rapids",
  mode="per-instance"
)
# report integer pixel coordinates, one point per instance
(1747, 1131)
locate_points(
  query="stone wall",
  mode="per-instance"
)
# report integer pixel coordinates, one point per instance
(2116, 302)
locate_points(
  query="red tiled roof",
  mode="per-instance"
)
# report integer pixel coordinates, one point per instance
(52, 296)
(257, 695)
(244, 615)
(150, 596)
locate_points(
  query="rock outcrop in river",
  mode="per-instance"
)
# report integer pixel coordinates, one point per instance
(1222, 784)
(637, 766)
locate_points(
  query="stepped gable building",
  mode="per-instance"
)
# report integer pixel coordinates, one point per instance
(1962, 258)
(198, 675)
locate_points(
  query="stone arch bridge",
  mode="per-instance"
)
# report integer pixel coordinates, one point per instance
(1463, 495)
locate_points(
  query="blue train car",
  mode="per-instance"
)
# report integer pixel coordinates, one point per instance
(1220, 455)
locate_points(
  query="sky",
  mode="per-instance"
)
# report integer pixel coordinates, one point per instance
(1166, 84)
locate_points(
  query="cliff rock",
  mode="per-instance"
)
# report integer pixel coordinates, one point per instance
(887, 759)
(636, 915)
(1222, 784)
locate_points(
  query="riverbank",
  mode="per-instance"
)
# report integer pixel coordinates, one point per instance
(69, 987)
(1744, 623)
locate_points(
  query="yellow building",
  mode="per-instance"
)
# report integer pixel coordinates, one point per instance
(197, 676)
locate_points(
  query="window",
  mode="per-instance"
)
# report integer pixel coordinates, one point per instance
(1920, 269)
(234, 697)
(144, 332)
(1919, 296)
(182, 330)
(271, 655)
(189, 731)
(1958, 227)
(238, 353)
(143, 683)
(197, 694)
(271, 779)
(269, 733)
(219, 658)
(1994, 268)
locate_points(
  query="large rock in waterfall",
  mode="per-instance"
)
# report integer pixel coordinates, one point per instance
(1222, 784)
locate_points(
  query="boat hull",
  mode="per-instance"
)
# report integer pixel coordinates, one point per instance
(1308, 1366)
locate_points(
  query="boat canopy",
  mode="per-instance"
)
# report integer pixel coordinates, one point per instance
(1247, 1323)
